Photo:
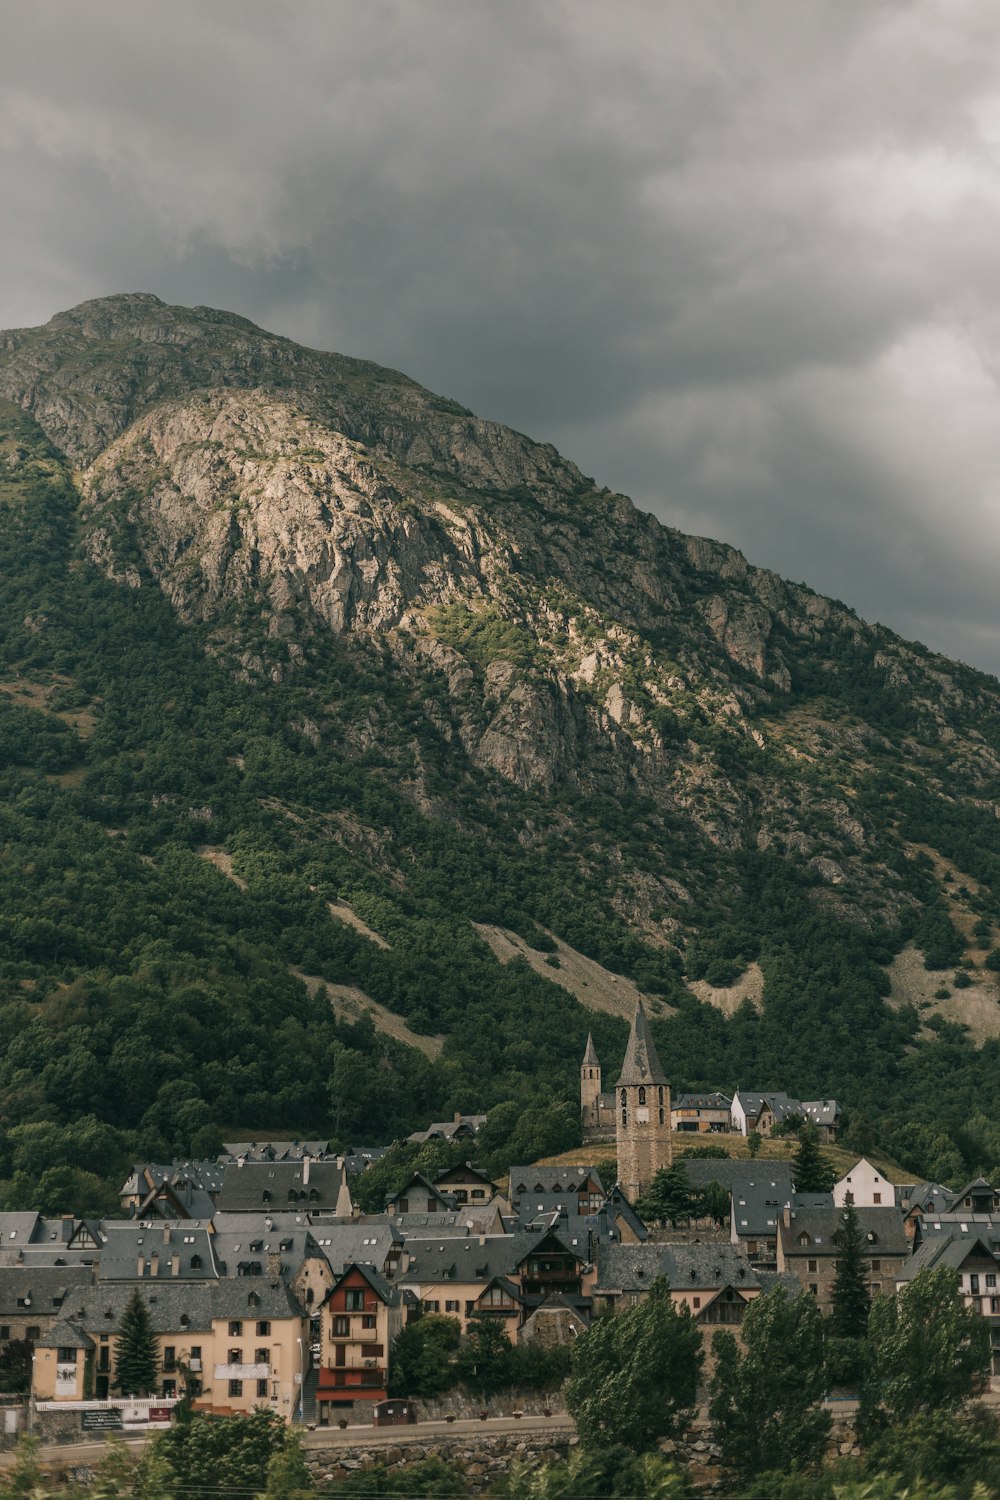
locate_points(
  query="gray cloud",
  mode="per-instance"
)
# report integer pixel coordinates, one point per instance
(736, 260)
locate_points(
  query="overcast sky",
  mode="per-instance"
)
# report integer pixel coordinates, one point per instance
(740, 260)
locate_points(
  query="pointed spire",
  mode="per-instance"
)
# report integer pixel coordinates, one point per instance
(590, 1056)
(641, 1063)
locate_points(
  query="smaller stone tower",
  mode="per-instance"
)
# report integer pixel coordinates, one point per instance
(590, 1087)
(642, 1111)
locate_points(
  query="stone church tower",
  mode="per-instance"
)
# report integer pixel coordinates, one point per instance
(590, 1087)
(642, 1112)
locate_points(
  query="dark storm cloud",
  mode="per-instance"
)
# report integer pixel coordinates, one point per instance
(738, 260)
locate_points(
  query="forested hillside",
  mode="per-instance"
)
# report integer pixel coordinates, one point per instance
(283, 632)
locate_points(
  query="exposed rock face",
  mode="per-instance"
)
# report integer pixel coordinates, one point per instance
(284, 498)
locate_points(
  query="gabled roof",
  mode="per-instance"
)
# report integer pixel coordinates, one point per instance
(449, 1259)
(249, 1253)
(692, 1267)
(161, 1245)
(463, 1172)
(947, 1250)
(256, 1185)
(65, 1335)
(390, 1295)
(927, 1197)
(977, 1188)
(880, 1226)
(535, 1179)
(821, 1111)
(276, 1150)
(419, 1181)
(641, 1064)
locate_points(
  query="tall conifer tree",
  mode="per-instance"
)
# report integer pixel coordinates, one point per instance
(137, 1361)
(810, 1172)
(849, 1317)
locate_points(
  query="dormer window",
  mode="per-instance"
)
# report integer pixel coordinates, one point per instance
(803, 1239)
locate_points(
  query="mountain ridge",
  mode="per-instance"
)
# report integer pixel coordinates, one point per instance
(676, 762)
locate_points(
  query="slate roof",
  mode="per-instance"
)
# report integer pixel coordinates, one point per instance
(17, 1228)
(641, 1064)
(373, 1241)
(781, 1105)
(590, 1055)
(821, 1111)
(618, 1207)
(931, 1197)
(164, 1241)
(821, 1224)
(423, 1184)
(362, 1157)
(203, 1175)
(702, 1101)
(260, 1185)
(447, 1130)
(978, 1189)
(49, 1288)
(275, 1150)
(946, 1250)
(185, 1309)
(700, 1171)
(239, 1253)
(693, 1267)
(65, 1335)
(443, 1259)
(756, 1204)
(552, 1179)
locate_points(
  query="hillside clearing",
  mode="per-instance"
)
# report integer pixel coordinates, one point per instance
(350, 1004)
(595, 987)
(978, 1007)
(728, 998)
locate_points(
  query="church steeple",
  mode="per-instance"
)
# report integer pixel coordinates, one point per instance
(642, 1111)
(590, 1087)
(641, 1065)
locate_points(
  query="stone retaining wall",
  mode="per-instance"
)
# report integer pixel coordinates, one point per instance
(481, 1459)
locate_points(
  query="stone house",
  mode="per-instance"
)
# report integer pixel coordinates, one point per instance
(709, 1113)
(806, 1247)
(466, 1185)
(755, 1207)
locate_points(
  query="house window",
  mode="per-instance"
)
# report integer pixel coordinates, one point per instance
(354, 1301)
(235, 1329)
(66, 1356)
(991, 1280)
(262, 1357)
(973, 1283)
(751, 1247)
(169, 1357)
(814, 1288)
(32, 1332)
(262, 1388)
(812, 1265)
(236, 1387)
(877, 1197)
(196, 1262)
(369, 1319)
(235, 1357)
(876, 1265)
(341, 1327)
(449, 1307)
(803, 1239)
(697, 1301)
(432, 1307)
(404, 1205)
(263, 1329)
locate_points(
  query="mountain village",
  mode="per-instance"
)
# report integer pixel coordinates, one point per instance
(266, 1286)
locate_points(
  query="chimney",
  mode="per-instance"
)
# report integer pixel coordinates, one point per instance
(274, 1266)
(154, 1264)
(175, 1265)
(458, 1117)
(166, 1234)
(786, 1216)
(140, 1269)
(305, 1171)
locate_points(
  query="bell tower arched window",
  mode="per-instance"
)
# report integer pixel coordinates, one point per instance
(642, 1095)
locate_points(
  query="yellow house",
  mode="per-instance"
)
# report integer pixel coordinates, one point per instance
(236, 1344)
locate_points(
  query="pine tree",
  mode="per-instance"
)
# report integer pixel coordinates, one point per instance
(137, 1359)
(849, 1318)
(811, 1173)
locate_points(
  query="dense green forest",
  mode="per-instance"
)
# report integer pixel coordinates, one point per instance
(150, 1004)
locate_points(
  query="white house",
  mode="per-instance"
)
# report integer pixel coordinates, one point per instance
(867, 1186)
